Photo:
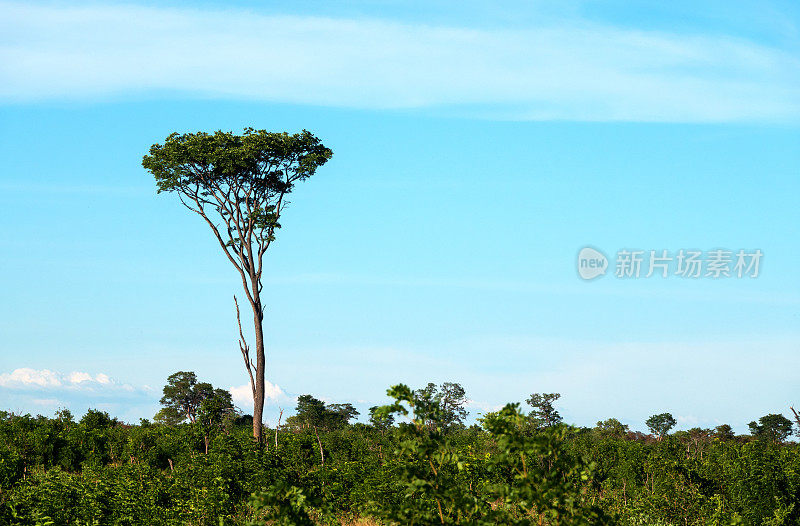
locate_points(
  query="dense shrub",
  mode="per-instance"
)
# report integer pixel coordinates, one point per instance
(99, 471)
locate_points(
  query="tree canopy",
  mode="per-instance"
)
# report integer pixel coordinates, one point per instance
(544, 414)
(185, 399)
(775, 427)
(312, 412)
(660, 424)
(445, 405)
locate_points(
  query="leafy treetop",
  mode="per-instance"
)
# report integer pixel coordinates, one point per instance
(661, 424)
(774, 427)
(544, 414)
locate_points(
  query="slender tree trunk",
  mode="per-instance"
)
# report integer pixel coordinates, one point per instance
(258, 399)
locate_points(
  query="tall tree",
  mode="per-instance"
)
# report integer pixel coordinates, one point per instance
(774, 427)
(446, 404)
(660, 424)
(182, 396)
(544, 414)
(452, 399)
(239, 185)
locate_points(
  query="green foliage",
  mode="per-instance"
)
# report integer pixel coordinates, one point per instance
(449, 399)
(182, 396)
(526, 480)
(544, 414)
(724, 432)
(378, 420)
(773, 427)
(548, 484)
(612, 428)
(99, 471)
(284, 504)
(258, 166)
(93, 420)
(660, 424)
(186, 398)
(314, 413)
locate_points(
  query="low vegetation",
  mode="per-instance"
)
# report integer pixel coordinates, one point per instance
(414, 463)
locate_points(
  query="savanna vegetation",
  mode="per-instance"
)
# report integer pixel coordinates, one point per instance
(414, 462)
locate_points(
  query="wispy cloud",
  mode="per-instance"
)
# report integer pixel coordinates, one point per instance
(570, 70)
(26, 389)
(46, 380)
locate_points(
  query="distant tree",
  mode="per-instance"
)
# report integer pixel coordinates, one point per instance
(774, 427)
(452, 399)
(182, 397)
(544, 414)
(64, 415)
(698, 435)
(448, 400)
(311, 412)
(214, 411)
(612, 427)
(239, 185)
(95, 419)
(724, 432)
(661, 424)
(339, 415)
(380, 419)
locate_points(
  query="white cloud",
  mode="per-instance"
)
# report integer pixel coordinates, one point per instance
(26, 379)
(25, 389)
(78, 377)
(243, 396)
(570, 70)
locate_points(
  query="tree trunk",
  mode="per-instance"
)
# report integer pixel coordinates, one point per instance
(258, 399)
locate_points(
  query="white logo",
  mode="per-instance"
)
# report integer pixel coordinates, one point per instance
(591, 263)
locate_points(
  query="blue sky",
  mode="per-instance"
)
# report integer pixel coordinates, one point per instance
(475, 152)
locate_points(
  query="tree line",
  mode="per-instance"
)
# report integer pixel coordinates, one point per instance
(187, 400)
(415, 462)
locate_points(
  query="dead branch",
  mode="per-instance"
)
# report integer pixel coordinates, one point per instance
(248, 363)
(277, 428)
(321, 454)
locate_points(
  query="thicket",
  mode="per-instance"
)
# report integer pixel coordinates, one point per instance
(423, 470)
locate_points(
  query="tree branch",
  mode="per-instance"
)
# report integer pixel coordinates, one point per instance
(245, 350)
